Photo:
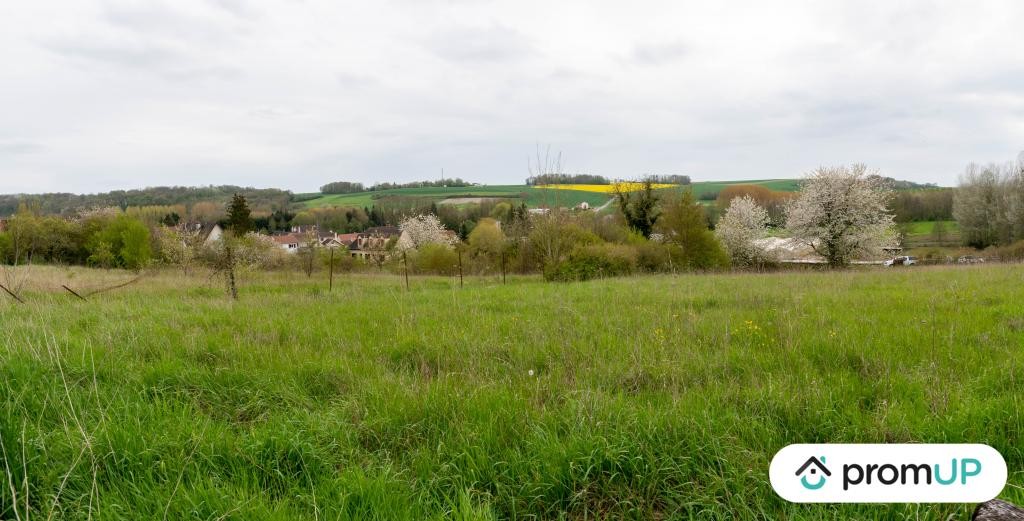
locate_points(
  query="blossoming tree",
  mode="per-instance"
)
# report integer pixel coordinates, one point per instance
(423, 229)
(842, 213)
(744, 223)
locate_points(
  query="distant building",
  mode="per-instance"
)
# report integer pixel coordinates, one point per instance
(288, 242)
(370, 243)
(206, 233)
(373, 242)
(305, 228)
(339, 240)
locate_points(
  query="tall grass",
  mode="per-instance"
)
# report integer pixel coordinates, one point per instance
(657, 397)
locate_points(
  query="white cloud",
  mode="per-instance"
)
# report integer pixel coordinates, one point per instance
(100, 95)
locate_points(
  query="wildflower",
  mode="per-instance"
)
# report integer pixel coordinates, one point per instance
(659, 334)
(530, 372)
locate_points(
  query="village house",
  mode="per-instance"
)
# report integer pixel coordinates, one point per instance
(207, 234)
(288, 242)
(339, 240)
(373, 242)
(370, 243)
(301, 235)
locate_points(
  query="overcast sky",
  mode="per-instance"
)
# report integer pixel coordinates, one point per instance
(101, 95)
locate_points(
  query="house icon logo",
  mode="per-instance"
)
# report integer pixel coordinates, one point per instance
(813, 467)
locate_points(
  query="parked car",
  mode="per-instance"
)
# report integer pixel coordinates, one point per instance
(902, 260)
(970, 259)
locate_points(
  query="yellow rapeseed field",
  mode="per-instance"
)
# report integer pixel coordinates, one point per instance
(607, 189)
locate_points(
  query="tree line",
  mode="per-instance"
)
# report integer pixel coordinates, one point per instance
(348, 187)
(989, 204)
(106, 238)
(566, 179)
(262, 199)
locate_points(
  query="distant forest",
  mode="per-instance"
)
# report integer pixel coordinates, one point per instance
(347, 187)
(263, 199)
(567, 179)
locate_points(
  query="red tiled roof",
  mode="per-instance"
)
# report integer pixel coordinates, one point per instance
(290, 238)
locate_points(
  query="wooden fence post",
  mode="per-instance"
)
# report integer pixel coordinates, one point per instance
(405, 261)
(11, 293)
(460, 267)
(69, 290)
(330, 284)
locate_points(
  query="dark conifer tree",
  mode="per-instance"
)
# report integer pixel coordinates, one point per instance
(239, 218)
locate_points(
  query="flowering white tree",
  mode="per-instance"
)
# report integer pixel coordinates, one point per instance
(842, 213)
(177, 247)
(423, 229)
(744, 223)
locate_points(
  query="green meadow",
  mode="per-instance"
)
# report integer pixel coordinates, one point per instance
(713, 187)
(657, 397)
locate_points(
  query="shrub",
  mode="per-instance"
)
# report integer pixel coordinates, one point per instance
(555, 235)
(486, 239)
(594, 261)
(934, 255)
(691, 244)
(343, 260)
(653, 257)
(433, 258)
(706, 254)
(1009, 253)
(6, 248)
(123, 242)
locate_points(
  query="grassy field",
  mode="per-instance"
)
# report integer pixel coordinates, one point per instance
(661, 397)
(533, 196)
(781, 185)
(927, 227)
(922, 234)
(609, 189)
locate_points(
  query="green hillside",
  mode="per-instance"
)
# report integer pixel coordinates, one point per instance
(534, 197)
(781, 185)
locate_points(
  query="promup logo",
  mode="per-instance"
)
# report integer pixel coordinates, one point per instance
(879, 473)
(812, 466)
